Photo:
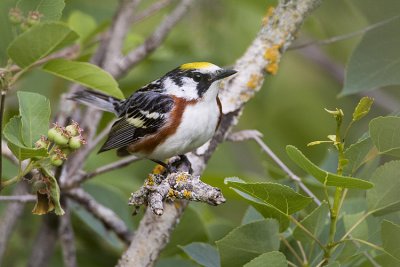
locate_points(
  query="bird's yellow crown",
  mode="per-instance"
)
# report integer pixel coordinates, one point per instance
(196, 65)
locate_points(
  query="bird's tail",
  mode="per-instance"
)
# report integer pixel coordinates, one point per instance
(97, 100)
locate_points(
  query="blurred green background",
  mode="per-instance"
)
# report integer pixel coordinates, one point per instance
(288, 110)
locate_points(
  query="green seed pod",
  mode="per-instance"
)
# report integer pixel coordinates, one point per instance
(72, 130)
(75, 142)
(52, 133)
(15, 15)
(66, 151)
(33, 18)
(60, 139)
(56, 161)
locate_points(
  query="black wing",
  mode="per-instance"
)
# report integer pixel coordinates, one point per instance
(141, 114)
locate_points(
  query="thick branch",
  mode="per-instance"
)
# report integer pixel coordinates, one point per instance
(9, 218)
(45, 242)
(277, 34)
(106, 216)
(67, 240)
(178, 185)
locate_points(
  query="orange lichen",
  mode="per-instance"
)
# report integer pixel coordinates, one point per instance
(272, 55)
(171, 193)
(272, 68)
(150, 180)
(268, 14)
(158, 169)
(254, 81)
(187, 194)
(181, 178)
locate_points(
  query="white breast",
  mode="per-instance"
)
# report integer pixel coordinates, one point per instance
(198, 125)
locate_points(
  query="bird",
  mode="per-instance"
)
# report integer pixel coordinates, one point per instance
(168, 117)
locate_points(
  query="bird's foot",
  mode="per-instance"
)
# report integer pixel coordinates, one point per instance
(175, 164)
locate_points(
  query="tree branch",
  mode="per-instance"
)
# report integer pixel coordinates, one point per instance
(9, 218)
(66, 234)
(106, 216)
(44, 245)
(154, 41)
(177, 185)
(274, 37)
(150, 11)
(19, 198)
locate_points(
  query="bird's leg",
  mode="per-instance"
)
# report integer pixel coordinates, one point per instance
(168, 167)
(183, 161)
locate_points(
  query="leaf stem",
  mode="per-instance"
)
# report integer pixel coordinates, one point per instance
(18, 177)
(307, 232)
(356, 224)
(337, 200)
(291, 249)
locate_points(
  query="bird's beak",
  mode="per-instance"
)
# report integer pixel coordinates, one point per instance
(223, 74)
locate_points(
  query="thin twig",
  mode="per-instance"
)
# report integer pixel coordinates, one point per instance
(344, 36)
(150, 11)
(291, 249)
(6, 152)
(106, 216)
(19, 198)
(116, 34)
(282, 165)
(78, 179)
(154, 41)
(305, 260)
(112, 166)
(69, 52)
(256, 136)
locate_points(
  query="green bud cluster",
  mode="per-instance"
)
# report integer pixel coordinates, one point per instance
(61, 142)
(16, 17)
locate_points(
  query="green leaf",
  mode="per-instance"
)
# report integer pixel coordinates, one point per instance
(390, 238)
(384, 197)
(40, 41)
(86, 74)
(185, 233)
(324, 177)
(251, 215)
(362, 108)
(247, 242)
(374, 63)
(385, 134)
(83, 24)
(315, 223)
(280, 197)
(50, 9)
(35, 114)
(358, 154)
(13, 134)
(54, 191)
(202, 253)
(333, 264)
(273, 258)
(361, 231)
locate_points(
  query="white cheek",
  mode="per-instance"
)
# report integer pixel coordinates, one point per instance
(187, 90)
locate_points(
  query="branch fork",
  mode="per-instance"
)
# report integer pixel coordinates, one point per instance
(178, 185)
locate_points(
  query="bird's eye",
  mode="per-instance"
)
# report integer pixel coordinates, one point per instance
(197, 77)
